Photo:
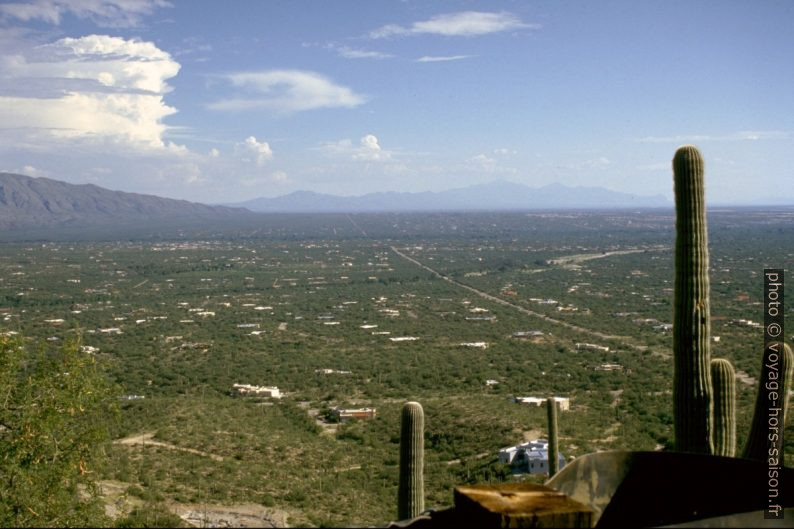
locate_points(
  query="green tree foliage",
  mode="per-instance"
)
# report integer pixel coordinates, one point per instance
(55, 410)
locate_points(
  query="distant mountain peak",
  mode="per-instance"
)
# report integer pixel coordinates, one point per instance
(494, 195)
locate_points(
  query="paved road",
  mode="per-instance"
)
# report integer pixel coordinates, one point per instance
(622, 339)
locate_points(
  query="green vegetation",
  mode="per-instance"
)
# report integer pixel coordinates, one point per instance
(56, 408)
(150, 515)
(303, 303)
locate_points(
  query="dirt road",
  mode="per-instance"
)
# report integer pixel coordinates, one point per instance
(145, 439)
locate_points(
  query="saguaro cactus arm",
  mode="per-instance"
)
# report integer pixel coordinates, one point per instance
(723, 379)
(757, 442)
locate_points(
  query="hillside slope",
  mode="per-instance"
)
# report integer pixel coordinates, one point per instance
(27, 202)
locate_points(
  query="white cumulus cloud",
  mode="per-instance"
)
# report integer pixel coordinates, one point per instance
(92, 87)
(286, 91)
(462, 24)
(482, 159)
(260, 151)
(369, 149)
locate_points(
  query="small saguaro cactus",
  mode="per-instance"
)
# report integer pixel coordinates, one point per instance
(551, 411)
(411, 491)
(723, 379)
(775, 378)
(692, 392)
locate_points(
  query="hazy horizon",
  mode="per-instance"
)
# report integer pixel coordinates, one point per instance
(226, 102)
(784, 202)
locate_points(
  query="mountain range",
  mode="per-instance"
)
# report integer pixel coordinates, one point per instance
(27, 202)
(498, 195)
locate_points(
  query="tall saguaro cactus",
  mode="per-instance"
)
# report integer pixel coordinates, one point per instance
(411, 491)
(691, 315)
(551, 411)
(704, 390)
(723, 379)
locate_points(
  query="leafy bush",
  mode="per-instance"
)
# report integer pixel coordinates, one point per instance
(151, 515)
(55, 411)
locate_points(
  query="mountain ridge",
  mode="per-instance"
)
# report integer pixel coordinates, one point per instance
(496, 195)
(27, 202)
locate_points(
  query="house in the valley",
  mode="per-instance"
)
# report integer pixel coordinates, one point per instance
(563, 403)
(531, 457)
(346, 415)
(247, 390)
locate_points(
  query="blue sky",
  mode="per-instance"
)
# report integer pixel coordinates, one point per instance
(221, 101)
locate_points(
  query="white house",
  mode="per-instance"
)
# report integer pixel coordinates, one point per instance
(563, 403)
(531, 401)
(256, 391)
(506, 455)
(531, 457)
(346, 415)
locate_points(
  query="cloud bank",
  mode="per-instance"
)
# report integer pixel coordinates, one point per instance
(91, 87)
